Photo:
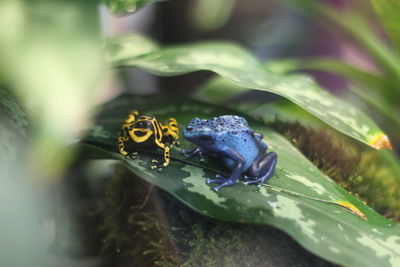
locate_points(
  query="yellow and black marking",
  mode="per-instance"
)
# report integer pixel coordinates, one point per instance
(147, 131)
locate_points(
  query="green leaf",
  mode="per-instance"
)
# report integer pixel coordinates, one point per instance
(236, 65)
(123, 47)
(299, 199)
(127, 6)
(218, 90)
(388, 12)
(376, 87)
(286, 111)
(346, 70)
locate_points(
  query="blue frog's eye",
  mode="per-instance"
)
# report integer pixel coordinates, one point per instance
(189, 128)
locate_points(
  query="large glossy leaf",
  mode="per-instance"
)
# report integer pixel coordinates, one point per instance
(218, 90)
(236, 65)
(299, 199)
(373, 86)
(347, 70)
(122, 47)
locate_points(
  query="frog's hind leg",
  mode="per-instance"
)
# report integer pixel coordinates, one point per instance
(166, 154)
(122, 139)
(262, 169)
(258, 137)
(121, 145)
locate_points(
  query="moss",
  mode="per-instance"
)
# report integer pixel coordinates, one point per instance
(133, 233)
(145, 226)
(358, 169)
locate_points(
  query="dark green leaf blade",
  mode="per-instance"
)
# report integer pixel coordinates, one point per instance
(298, 199)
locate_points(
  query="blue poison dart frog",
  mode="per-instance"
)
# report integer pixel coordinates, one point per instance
(146, 131)
(241, 150)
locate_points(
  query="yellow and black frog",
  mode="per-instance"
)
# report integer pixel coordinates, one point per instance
(145, 131)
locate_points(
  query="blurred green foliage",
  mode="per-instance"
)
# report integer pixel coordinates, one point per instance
(50, 58)
(378, 90)
(51, 63)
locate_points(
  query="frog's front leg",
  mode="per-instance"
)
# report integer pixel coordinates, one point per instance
(262, 169)
(195, 152)
(166, 154)
(236, 173)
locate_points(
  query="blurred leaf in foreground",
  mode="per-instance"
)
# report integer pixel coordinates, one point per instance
(50, 58)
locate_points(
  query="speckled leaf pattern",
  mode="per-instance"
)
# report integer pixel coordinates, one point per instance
(302, 209)
(235, 64)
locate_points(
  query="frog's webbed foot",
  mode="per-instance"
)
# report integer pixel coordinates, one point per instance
(220, 176)
(132, 155)
(251, 180)
(219, 179)
(246, 177)
(260, 182)
(177, 143)
(159, 166)
(194, 152)
(221, 182)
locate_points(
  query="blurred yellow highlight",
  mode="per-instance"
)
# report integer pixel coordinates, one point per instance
(381, 141)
